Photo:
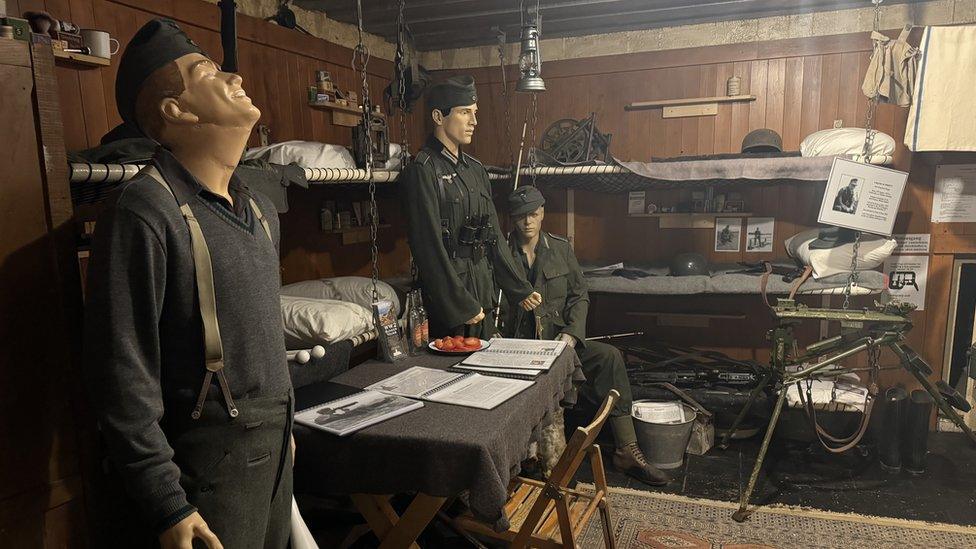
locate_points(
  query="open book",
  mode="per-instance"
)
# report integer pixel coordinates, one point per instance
(515, 355)
(461, 389)
(354, 412)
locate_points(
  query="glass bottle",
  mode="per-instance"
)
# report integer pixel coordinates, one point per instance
(424, 321)
(414, 325)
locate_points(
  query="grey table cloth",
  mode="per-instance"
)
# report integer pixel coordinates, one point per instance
(440, 449)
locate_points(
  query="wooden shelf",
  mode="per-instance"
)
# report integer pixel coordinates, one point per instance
(82, 59)
(644, 105)
(690, 220)
(331, 106)
(342, 115)
(356, 235)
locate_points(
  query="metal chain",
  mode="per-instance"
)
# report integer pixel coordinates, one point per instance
(402, 90)
(507, 98)
(360, 58)
(869, 133)
(852, 278)
(533, 159)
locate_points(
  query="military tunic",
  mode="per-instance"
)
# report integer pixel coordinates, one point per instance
(557, 276)
(436, 187)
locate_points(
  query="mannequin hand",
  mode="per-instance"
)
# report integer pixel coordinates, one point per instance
(182, 534)
(531, 302)
(292, 443)
(477, 318)
(570, 340)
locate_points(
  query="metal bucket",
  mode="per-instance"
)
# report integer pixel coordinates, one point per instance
(664, 444)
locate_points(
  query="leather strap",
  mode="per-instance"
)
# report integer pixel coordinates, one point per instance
(203, 268)
(847, 442)
(261, 219)
(764, 281)
(807, 271)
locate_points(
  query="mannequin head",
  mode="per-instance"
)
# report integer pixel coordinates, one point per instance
(453, 107)
(457, 126)
(526, 206)
(529, 226)
(190, 100)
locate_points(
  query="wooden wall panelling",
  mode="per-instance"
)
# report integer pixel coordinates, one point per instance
(40, 486)
(690, 87)
(708, 85)
(740, 110)
(723, 120)
(792, 103)
(775, 95)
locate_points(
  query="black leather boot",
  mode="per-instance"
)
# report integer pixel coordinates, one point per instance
(915, 437)
(889, 445)
(631, 461)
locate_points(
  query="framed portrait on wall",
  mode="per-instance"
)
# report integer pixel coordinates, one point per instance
(863, 197)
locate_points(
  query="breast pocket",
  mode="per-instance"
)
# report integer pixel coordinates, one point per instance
(557, 283)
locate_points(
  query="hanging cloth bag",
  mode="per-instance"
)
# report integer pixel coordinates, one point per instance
(891, 72)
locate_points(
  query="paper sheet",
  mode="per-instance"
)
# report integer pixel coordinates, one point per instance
(907, 276)
(955, 194)
(414, 382)
(477, 391)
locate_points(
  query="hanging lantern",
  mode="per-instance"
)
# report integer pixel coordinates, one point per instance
(530, 62)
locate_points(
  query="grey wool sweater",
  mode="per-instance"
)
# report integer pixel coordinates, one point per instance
(144, 351)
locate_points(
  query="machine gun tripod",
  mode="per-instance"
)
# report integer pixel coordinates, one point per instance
(860, 331)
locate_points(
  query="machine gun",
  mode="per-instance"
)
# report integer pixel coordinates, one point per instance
(860, 331)
(651, 364)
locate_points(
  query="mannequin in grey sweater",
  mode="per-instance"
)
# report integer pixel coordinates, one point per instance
(222, 475)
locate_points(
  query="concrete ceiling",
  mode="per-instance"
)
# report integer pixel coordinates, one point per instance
(449, 24)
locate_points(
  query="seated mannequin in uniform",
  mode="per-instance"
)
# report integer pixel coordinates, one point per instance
(551, 266)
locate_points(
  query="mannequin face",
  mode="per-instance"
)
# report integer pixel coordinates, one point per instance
(210, 97)
(530, 225)
(458, 125)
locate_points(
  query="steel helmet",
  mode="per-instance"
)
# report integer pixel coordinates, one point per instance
(763, 140)
(689, 264)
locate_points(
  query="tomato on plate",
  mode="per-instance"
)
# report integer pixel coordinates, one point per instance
(458, 340)
(439, 343)
(448, 344)
(472, 342)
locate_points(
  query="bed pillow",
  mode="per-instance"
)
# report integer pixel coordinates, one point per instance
(355, 289)
(845, 141)
(309, 322)
(307, 154)
(872, 252)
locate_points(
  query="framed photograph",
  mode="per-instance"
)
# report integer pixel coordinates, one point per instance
(759, 234)
(862, 197)
(728, 233)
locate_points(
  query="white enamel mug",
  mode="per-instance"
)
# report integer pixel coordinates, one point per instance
(100, 43)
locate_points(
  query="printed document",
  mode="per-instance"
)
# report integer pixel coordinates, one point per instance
(461, 389)
(526, 354)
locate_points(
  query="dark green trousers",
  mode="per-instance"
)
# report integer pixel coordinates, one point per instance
(238, 472)
(604, 368)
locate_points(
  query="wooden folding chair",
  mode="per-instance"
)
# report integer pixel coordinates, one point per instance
(550, 514)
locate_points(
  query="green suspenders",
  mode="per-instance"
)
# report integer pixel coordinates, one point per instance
(203, 266)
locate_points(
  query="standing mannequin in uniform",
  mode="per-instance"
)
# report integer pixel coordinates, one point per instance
(452, 224)
(551, 266)
(202, 455)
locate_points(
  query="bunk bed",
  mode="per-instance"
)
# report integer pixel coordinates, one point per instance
(93, 182)
(727, 280)
(691, 171)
